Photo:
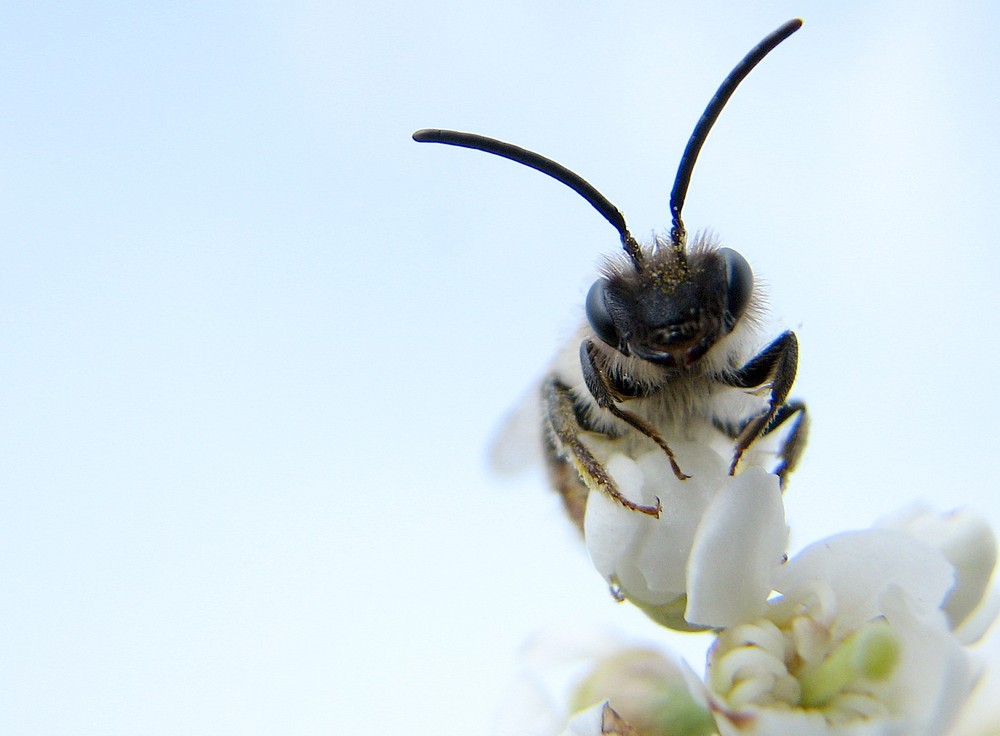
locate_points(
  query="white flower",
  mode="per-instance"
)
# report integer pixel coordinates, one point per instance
(551, 663)
(967, 541)
(648, 690)
(569, 675)
(709, 559)
(856, 644)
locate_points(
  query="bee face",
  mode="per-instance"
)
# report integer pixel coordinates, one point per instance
(675, 308)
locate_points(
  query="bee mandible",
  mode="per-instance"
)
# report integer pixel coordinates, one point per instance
(667, 330)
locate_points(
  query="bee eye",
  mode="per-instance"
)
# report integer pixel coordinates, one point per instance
(598, 314)
(739, 285)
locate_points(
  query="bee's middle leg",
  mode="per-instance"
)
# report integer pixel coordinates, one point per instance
(564, 429)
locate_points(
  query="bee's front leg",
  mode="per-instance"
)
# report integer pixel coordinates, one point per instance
(606, 394)
(564, 437)
(774, 368)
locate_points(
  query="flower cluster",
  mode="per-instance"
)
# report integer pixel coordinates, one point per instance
(864, 632)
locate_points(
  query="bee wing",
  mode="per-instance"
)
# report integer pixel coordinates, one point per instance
(517, 443)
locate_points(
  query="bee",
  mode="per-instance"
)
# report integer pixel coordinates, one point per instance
(667, 330)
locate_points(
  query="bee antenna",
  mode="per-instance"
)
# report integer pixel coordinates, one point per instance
(547, 166)
(678, 235)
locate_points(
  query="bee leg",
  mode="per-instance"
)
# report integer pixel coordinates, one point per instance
(566, 480)
(774, 369)
(565, 441)
(791, 446)
(606, 395)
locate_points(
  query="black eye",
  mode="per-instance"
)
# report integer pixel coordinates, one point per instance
(598, 314)
(739, 285)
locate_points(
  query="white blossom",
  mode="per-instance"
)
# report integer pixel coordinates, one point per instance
(551, 663)
(859, 634)
(566, 674)
(708, 560)
(649, 690)
(857, 644)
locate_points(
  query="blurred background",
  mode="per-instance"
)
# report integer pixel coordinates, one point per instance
(256, 341)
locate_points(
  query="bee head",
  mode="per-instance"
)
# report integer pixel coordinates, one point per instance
(673, 310)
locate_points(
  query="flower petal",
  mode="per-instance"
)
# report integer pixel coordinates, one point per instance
(967, 541)
(935, 675)
(738, 545)
(855, 568)
(645, 556)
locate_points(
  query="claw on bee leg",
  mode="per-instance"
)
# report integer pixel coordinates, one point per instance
(736, 460)
(653, 510)
(602, 481)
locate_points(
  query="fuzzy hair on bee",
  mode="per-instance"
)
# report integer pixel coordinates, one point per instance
(669, 349)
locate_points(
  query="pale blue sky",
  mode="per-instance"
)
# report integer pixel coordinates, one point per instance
(256, 339)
